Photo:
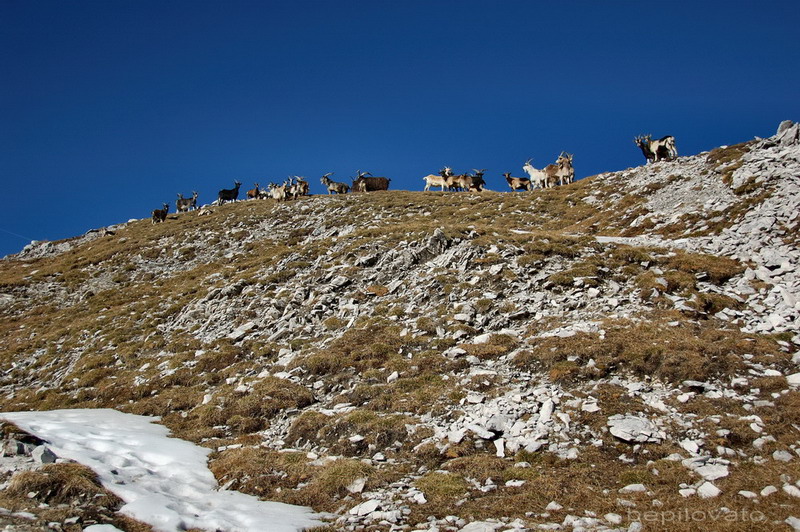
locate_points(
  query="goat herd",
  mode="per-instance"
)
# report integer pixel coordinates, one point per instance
(561, 173)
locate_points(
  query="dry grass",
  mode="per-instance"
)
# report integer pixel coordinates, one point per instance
(290, 477)
(57, 492)
(730, 158)
(648, 349)
(61, 483)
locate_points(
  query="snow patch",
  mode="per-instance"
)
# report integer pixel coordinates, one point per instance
(164, 481)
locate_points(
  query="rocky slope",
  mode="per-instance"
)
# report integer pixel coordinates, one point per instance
(619, 353)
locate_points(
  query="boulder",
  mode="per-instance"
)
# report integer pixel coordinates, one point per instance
(634, 429)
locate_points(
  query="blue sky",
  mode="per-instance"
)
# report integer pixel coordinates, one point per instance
(110, 108)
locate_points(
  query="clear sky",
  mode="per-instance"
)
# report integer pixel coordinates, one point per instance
(109, 108)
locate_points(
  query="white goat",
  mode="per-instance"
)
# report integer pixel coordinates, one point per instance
(443, 179)
(278, 192)
(538, 177)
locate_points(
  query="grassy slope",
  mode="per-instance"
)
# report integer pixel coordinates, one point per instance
(85, 330)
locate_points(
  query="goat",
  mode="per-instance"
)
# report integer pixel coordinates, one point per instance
(295, 189)
(561, 171)
(537, 177)
(302, 186)
(566, 171)
(518, 183)
(470, 183)
(278, 192)
(159, 215)
(229, 194)
(443, 179)
(657, 150)
(551, 172)
(186, 204)
(475, 183)
(365, 182)
(254, 193)
(334, 186)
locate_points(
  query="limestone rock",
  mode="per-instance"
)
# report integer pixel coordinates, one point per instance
(634, 429)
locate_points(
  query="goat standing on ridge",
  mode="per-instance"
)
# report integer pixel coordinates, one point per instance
(537, 177)
(229, 194)
(566, 172)
(334, 186)
(444, 179)
(186, 204)
(366, 182)
(518, 183)
(278, 193)
(654, 151)
(253, 193)
(475, 183)
(159, 215)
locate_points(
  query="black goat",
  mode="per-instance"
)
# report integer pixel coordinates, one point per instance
(229, 194)
(159, 215)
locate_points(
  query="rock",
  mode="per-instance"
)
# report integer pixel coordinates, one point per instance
(793, 522)
(689, 446)
(13, 447)
(553, 506)
(499, 445)
(783, 127)
(481, 526)
(475, 398)
(357, 486)
(241, 331)
(590, 407)
(633, 488)
(782, 456)
(546, 412)
(43, 455)
(794, 491)
(634, 429)
(769, 490)
(340, 281)
(365, 508)
(480, 431)
(712, 471)
(707, 490)
(455, 436)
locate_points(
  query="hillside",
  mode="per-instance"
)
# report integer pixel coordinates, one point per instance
(616, 351)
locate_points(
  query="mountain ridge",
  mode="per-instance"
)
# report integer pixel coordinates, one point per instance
(436, 343)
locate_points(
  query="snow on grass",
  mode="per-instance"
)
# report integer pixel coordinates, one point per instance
(164, 481)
